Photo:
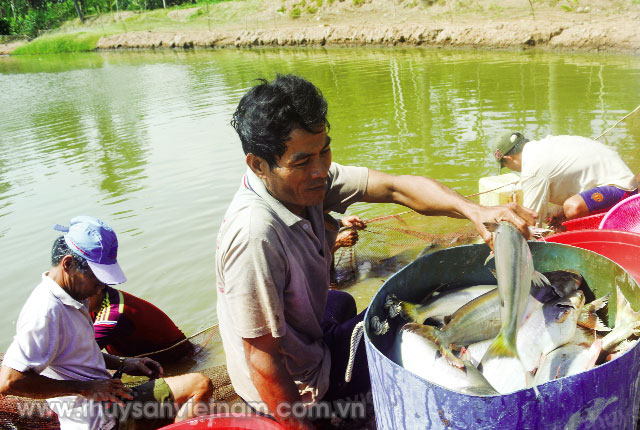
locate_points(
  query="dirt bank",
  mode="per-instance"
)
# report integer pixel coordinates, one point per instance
(604, 25)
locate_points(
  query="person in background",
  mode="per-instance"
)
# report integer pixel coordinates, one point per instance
(286, 337)
(579, 174)
(54, 354)
(126, 325)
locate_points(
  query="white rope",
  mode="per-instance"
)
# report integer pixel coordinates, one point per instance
(379, 328)
(358, 331)
(614, 125)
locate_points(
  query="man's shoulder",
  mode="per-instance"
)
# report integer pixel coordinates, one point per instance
(249, 217)
(42, 301)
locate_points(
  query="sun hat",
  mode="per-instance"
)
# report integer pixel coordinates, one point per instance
(97, 243)
(505, 143)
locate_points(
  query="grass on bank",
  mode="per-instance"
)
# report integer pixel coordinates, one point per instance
(71, 42)
(77, 36)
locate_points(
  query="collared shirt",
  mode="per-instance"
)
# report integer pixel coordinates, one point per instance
(55, 339)
(273, 277)
(558, 167)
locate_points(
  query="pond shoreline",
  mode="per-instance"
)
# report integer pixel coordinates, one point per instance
(521, 34)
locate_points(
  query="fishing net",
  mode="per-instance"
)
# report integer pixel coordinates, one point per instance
(392, 241)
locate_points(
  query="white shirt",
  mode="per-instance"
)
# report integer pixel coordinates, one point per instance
(558, 167)
(55, 339)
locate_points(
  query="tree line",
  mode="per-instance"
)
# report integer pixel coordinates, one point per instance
(31, 17)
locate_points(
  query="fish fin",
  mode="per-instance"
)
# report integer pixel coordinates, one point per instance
(597, 304)
(489, 258)
(433, 334)
(539, 280)
(500, 347)
(491, 226)
(589, 319)
(636, 328)
(494, 273)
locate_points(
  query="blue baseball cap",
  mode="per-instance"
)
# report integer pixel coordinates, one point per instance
(97, 243)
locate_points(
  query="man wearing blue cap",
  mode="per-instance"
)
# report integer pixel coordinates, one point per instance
(580, 174)
(54, 354)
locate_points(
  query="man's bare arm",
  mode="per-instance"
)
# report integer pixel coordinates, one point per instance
(30, 384)
(430, 197)
(270, 377)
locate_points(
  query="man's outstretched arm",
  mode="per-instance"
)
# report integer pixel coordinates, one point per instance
(30, 384)
(430, 197)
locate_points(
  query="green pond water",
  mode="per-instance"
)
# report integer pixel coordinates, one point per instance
(143, 141)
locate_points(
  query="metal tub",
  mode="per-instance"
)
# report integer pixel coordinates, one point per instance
(606, 397)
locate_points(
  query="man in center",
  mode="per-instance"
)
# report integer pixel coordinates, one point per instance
(285, 335)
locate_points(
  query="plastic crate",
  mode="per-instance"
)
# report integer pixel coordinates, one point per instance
(591, 222)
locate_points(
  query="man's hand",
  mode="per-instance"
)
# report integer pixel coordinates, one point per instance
(353, 221)
(105, 390)
(142, 367)
(519, 216)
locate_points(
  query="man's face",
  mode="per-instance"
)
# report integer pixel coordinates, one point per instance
(84, 285)
(300, 177)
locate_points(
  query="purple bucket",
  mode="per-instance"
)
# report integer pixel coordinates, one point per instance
(605, 397)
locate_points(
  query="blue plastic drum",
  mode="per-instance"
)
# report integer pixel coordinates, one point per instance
(605, 397)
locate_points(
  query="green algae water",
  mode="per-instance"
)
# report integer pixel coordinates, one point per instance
(143, 141)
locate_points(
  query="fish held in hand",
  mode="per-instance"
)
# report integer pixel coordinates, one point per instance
(514, 272)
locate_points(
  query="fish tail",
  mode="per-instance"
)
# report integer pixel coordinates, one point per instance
(539, 280)
(501, 347)
(590, 320)
(409, 311)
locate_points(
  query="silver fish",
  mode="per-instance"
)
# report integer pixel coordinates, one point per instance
(422, 357)
(515, 272)
(440, 306)
(475, 321)
(577, 356)
(547, 327)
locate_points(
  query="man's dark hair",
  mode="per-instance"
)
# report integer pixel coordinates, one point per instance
(60, 249)
(270, 111)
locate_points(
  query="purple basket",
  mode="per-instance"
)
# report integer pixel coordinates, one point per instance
(625, 216)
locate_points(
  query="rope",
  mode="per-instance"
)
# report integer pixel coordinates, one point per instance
(379, 328)
(614, 125)
(489, 191)
(176, 344)
(358, 331)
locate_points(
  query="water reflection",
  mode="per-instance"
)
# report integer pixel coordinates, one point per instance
(143, 140)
